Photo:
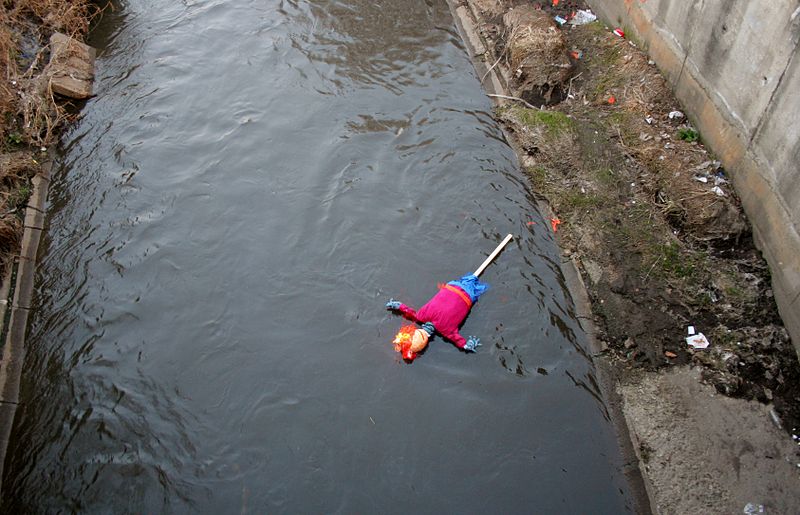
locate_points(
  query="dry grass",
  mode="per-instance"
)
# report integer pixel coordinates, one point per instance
(68, 16)
(30, 116)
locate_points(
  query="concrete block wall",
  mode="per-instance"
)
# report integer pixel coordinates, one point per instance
(734, 68)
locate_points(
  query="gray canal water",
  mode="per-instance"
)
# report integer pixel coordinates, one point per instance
(253, 181)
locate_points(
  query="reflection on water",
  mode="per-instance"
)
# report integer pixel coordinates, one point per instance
(251, 184)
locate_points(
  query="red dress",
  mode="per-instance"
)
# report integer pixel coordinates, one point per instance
(446, 311)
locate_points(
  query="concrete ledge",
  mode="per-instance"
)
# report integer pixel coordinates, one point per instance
(14, 346)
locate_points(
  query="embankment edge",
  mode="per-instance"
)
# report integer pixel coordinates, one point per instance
(606, 378)
(18, 293)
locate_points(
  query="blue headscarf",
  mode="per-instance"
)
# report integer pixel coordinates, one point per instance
(471, 285)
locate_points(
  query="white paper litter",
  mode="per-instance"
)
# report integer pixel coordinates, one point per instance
(698, 341)
(583, 17)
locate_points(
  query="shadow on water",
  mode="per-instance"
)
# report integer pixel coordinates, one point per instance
(251, 184)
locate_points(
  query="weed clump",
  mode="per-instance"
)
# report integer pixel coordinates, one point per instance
(688, 134)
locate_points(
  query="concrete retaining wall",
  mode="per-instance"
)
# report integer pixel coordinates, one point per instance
(733, 66)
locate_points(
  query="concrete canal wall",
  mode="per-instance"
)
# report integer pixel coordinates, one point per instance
(733, 66)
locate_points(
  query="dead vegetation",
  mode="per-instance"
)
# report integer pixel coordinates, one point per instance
(31, 114)
(650, 217)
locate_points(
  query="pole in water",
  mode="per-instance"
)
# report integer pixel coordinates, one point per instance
(493, 255)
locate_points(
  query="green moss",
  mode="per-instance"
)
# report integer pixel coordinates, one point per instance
(680, 263)
(606, 176)
(574, 201)
(674, 262)
(555, 122)
(610, 80)
(538, 177)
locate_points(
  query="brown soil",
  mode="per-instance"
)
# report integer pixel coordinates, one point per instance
(31, 115)
(649, 215)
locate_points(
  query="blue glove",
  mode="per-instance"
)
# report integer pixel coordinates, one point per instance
(472, 344)
(393, 304)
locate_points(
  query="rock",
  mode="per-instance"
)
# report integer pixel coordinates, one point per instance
(538, 55)
(594, 270)
(71, 67)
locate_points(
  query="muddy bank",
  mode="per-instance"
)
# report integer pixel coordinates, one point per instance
(658, 233)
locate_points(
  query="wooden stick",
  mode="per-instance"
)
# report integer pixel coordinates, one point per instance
(493, 255)
(530, 106)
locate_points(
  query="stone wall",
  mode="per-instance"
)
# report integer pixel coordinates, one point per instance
(733, 65)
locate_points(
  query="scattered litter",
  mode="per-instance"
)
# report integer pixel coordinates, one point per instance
(619, 32)
(718, 191)
(583, 17)
(560, 20)
(690, 330)
(698, 341)
(649, 120)
(576, 54)
(776, 419)
(651, 62)
(719, 180)
(555, 3)
(700, 178)
(530, 223)
(675, 115)
(670, 354)
(612, 100)
(554, 222)
(753, 509)
(703, 165)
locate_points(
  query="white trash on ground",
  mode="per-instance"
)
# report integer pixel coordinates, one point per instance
(582, 17)
(698, 341)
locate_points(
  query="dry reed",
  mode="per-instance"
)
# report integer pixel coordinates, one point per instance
(30, 115)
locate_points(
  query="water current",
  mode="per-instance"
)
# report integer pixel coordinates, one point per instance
(252, 182)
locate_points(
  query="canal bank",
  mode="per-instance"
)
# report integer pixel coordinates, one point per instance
(147, 371)
(34, 70)
(660, 251)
